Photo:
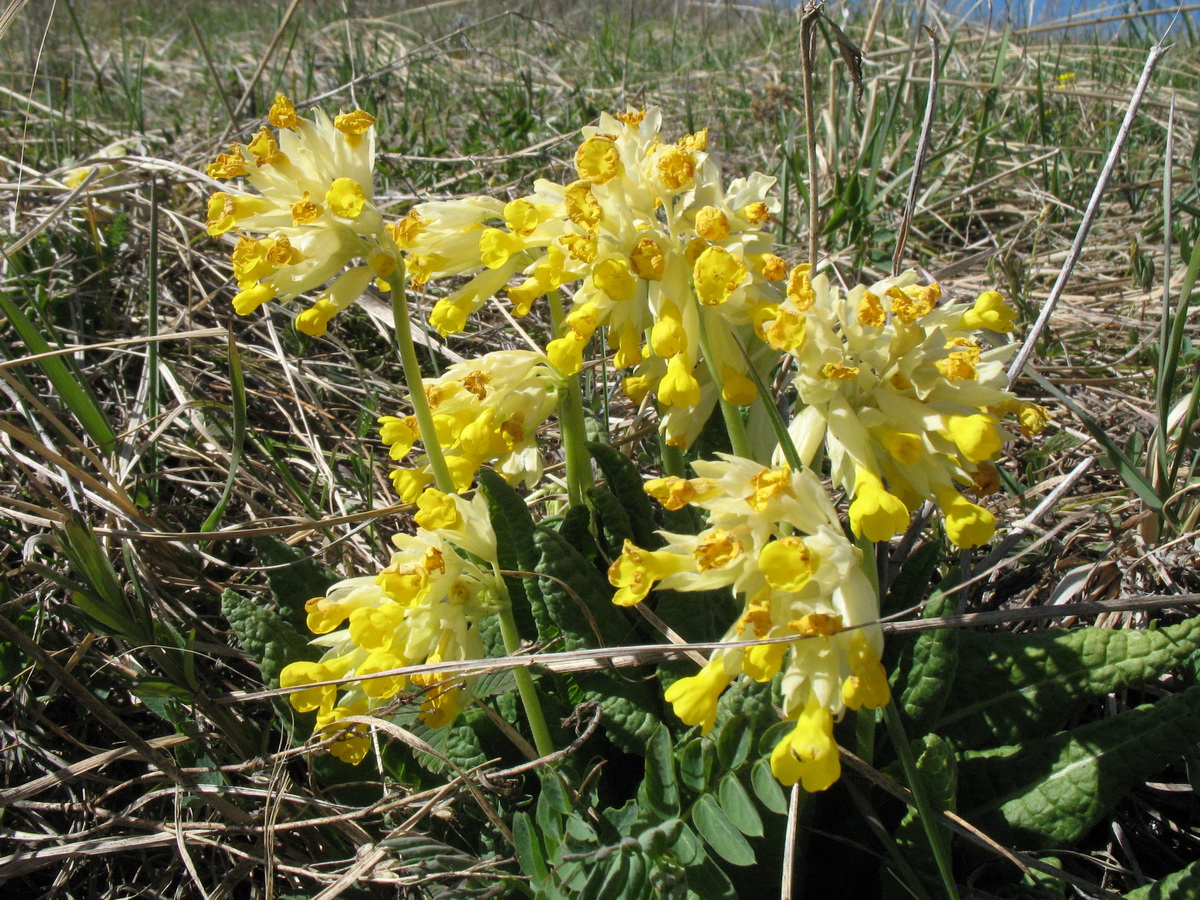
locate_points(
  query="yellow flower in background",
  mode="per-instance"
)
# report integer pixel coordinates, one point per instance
(425, 606)
(774, 537)
(310, 222)
(105, 163)
(487, 411)
(903, 394)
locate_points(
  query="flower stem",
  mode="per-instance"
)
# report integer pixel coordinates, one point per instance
(525, 687)
(416, 387)
(734, 426)
(570, 419)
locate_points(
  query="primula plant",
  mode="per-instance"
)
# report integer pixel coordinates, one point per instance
(845, 412)
(664, 541)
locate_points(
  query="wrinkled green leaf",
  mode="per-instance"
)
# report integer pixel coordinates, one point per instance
(925, 673)
(938, 771)
(294, 576)
(1184, 883)
(265, 635)
(612, 521)
(1011, 687)
(1050, 792)
(625, 483)
(579, 602)
(513, 526)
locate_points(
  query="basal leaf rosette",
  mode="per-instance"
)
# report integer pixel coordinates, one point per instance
(306, 219)
(486, 411)
(774, 537)
(425, 606)
(906, 396)
(658, 250)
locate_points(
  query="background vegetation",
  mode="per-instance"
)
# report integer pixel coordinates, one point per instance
(171, 472)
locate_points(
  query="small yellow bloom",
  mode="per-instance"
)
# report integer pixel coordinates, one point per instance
(717, 274)
(716, 549)
(674, 492)
(354, 125)
(967, 525)
(647, 259)
(712, 224)
(346, 198)
(614, 278)
(787, 564)
(870, 311)
(694, 698)
(226, 165)
(676, 168)
(582, 207)
(809, 753)
(635, 571)
(989, 311)
(247, 301)
(975, 436)
(283, 113)
(799, 287)
(304, 211)
(597, 160)
(436, 510)
(875, 514)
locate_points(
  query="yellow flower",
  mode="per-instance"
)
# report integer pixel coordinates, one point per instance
(875, 514)
(898, 389)
(989, 311)
(809, 753)
(425, 606)
(694, 699)
(487, 412)
(311, 199)
(774, 537)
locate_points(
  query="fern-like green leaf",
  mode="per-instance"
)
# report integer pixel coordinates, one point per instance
(1012, 687)
(1049, 792)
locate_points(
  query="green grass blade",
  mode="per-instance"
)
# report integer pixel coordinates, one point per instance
(67, 382)
(237, 387)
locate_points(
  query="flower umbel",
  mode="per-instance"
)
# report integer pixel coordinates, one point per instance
(774, 537)
(309, 215)
(903, 395)
(486, 411)
(425, 606)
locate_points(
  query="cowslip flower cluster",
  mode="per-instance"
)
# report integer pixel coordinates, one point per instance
(424, 607)
(486, 411)
(903, 395)
(312, 209)
(773, 536)
(663, 254)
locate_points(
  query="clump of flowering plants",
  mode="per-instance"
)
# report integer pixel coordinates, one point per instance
(843, 411)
